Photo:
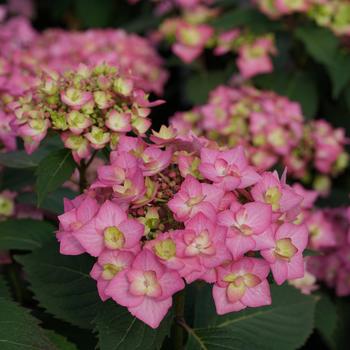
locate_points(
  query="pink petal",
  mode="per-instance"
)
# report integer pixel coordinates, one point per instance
(280, 271)
(257, 296)
(171, 282)
(90, 239)
(110, 214)
(222, 305)
(258, 216)
(151, 311)
(239, 244)
(118, 289)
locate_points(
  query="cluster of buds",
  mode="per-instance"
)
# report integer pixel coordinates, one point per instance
(90, 107)
(333, 14)
(330, 234)
(25, 54)
(272, 130)
(191, 33)
(182, 209)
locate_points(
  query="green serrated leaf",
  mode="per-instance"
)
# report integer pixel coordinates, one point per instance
(286, 324)
(117, 329)
(62, 284)
(26, 234)
(320, 43)
(326, 319)
(342, 334)
(4, 289)
(60, 341)
(249, 17)
(53, 171)
(339, 72)
(20, 159)
(19, 330)
(53, 201)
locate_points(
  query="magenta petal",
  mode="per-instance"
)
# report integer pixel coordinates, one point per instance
(257, 296)
(133, 231)
(222, 305)
(171, 282)
(151, 311)
(280, 271)
(258, 216)
(90, 239)
(239, 244)
(118, 289)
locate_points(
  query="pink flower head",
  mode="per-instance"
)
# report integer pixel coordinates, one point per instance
(321, 231)
(195, 197)
(145, 288)
(246, 226)
(108, 265)
(111, 229)
(242, 284)
(118, 121)
(165, 249)
(164, 136)
(204, 241)
(75, 98)
(125, 177)
(229, 169)
(191, 40)
(155, 160)
(253, 58)
(275, 192)
(77, 214)
(78, 144)
(226, 40)
(286, 257)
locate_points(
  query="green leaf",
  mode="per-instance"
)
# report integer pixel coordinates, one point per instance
(342, 334)
(15, 180)
(26, 234)
(198, 86)
(326, 319)
(60, 341)
(95, 13)
(53, 171)
(53, 201)
(62, 284)
(311, 252)
(286, 324)
(250, 17)
(117, 329)
(339, 72)
(320, 43)
(20, 159)
(4, 289)
(19, 330)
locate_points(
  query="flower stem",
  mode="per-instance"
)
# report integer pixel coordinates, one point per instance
(179, 320)
(82, 177)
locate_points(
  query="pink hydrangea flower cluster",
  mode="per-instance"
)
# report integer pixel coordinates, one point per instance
(333, 14)
(330, 234)
(182, 209)
(192, 33)
(90, 107)
(272, 130)
(25, 53)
